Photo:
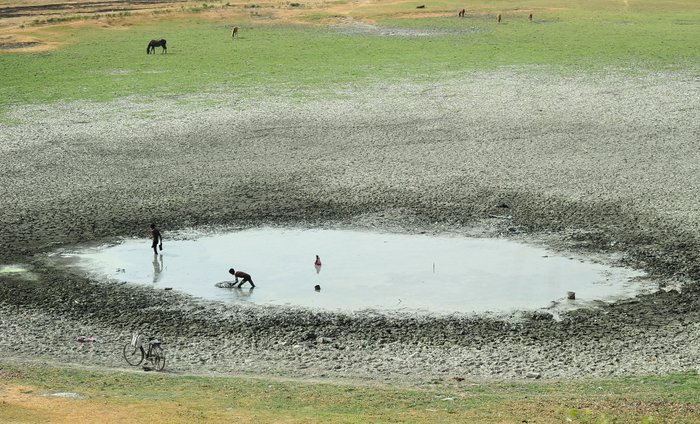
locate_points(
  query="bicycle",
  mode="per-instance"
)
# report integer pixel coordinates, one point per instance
(135, 353)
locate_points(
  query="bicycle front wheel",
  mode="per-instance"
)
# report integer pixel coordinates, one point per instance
(158, 358)
(133, 354)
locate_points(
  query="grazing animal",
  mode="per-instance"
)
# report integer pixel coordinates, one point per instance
(422, 6)
(234, 31)
(156, 43)
(461, 13)
(530, 17)
(498, 18)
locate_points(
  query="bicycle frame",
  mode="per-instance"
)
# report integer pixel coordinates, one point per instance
(154, 353)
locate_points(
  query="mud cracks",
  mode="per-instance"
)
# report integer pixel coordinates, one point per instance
(582, 167)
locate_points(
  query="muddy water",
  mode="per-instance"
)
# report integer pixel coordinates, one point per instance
(360, 270)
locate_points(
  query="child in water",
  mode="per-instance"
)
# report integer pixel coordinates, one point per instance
(240, 274)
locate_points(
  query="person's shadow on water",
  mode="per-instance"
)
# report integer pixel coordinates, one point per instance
(157, 267)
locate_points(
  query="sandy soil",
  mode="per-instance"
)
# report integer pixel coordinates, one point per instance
(603, 165)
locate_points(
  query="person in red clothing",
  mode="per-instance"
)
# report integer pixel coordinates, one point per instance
(240, 274)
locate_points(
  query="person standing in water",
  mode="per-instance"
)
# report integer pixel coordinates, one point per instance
(157, 239)
(317, 264)
(240, 274)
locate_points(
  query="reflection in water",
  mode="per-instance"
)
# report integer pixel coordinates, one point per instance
(157, 267)
(241, 294)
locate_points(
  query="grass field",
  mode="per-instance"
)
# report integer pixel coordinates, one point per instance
(140, 397)
(278, 51)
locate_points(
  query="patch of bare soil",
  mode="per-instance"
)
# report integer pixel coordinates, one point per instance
(12, 45)
(353, 27)
(83, 7)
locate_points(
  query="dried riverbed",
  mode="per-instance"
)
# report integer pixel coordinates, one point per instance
(604, 167)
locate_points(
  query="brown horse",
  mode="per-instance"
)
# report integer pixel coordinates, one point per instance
(234, 31)
(156, 43)
(461, 13)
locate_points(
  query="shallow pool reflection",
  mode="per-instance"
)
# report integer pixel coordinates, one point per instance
(361, 270)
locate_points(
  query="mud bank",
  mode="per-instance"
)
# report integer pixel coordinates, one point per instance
(602, 166)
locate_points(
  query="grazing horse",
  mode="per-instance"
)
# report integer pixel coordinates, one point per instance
(234, 31)
(461, 13)
(156, 43)
(498, 18)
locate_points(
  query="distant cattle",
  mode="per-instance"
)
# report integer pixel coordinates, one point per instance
(498, 18)
(234, 31)
(530, 17)
(422, 6)
(461, 13)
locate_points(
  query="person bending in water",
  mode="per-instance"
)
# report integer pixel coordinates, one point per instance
(157, 239)
(240, 274)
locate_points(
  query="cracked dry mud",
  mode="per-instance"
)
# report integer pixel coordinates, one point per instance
(602, 166)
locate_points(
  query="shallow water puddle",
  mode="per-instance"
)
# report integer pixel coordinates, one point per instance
(361, 270)
(17, 271)
(12, 269)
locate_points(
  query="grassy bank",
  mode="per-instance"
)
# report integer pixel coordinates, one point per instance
(102, 62)
(25, 397)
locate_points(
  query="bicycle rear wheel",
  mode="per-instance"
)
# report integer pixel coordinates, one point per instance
(158, 357)
(133, 354)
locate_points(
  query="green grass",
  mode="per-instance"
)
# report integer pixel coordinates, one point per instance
(168, 398)
(102, 64)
